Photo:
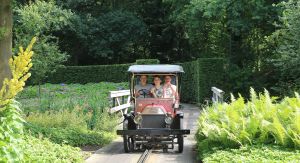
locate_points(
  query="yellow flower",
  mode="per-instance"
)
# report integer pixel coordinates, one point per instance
(19, 66)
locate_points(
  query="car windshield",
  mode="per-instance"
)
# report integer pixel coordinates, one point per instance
(154, 86)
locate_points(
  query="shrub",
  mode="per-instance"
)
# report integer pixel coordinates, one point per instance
(199, 77)
(42, 150)
(259, 121)
(90, 74)
(11, 122)
(146, 61)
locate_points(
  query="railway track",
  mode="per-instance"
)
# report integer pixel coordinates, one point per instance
(145, 156)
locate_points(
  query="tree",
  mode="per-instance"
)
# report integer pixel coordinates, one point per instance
(42, 19)
(117, 36)
(236, 31)
(5, 38)
(286, 41)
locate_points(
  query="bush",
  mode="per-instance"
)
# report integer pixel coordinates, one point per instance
(146, 61)
(95, 73)
(199, 77)
(42, 150)
(258, 121)
(90, 74)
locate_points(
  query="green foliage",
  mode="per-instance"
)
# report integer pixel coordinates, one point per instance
(85, 103)
(286, 41)
(253, 154)
(88, 74)
(43, 150)
(63, 118)
(258, 121)
(199, 77)
(42, 19)
(105, 42)
(11, 131)
(70, 114)
(71, 136)
(146, 61)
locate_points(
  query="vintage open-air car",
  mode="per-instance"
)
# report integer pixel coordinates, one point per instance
(154, 122)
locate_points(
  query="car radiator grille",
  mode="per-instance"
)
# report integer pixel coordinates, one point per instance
(153, 121)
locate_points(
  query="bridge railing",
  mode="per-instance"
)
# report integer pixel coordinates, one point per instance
(120, 101)
(218, 95)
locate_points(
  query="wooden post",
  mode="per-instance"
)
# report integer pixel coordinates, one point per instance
(5, 38)
(217, 95)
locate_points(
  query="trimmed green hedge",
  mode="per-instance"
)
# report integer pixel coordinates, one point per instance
(95, 73)
(90, 74)
(199, 77)
(146, 61)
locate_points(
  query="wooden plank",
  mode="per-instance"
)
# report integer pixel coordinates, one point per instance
(120, 107)
(217, 91)
(119, 93)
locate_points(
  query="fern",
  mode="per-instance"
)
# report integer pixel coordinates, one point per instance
(260, 120)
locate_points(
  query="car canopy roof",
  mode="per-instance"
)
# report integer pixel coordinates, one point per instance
(155, 69)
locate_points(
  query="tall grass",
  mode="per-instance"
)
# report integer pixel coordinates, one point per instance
(261, 120)
(72, 114)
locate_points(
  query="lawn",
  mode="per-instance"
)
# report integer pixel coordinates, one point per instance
(64, 117)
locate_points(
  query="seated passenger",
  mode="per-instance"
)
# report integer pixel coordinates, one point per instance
(142, 90)
(170, 90)
(157, 89)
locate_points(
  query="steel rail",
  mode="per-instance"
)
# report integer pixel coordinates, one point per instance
(145, 156)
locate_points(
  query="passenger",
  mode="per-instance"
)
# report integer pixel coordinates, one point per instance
(142, 90)
(157, 89)
(170, 90)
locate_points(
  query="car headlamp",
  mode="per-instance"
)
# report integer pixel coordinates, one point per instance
(169, 119)
(138, 118)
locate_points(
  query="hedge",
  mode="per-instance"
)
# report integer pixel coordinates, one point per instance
(95, 73)
(146, 61)
(199, 77)
(90, 74)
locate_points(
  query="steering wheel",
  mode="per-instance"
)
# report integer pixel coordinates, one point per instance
(144, 92)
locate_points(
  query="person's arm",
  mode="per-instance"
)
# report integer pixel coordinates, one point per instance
(152, 92)
(136, 92)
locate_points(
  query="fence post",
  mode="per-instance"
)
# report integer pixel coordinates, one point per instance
(218, 95)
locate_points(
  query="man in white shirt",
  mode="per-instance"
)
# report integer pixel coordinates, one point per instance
(170, 90)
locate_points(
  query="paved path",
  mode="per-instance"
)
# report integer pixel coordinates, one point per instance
(114, 153)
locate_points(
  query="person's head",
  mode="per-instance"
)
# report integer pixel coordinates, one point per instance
(143, 80)
(168, 79)
(156, 80)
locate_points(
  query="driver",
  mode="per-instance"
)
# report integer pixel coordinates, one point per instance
(142, 90)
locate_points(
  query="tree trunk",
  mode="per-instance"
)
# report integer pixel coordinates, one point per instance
(5, 38)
